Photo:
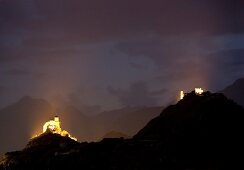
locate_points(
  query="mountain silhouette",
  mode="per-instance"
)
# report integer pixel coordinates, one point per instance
(199, 132)
(73, 120)
(128, 120)
(25, 118)
(115, 134)
(21, 120)
(235, 91)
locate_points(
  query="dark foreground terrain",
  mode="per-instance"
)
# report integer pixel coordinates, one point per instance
(199, 132)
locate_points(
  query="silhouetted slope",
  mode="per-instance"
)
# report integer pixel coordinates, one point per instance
(132, 122)
(199, 132)
(40, 151)
(52, 151)
(127, 120)
(73, 120)
(235, 91)
(21, 120)
(115, 134)
(25, 118)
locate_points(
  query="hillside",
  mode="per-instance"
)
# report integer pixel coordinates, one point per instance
(115, 134)
(29, 115)
(126, 120)
(235, 91)
(19, 121)
(199, 132)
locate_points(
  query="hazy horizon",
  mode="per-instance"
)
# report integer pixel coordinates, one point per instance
(107, 54)
(101, 55)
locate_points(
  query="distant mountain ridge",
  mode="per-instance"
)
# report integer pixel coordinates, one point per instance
(26, 117)
(235, 91)
(114, 134)
(19, 121)
(29, 114)
(198, 132)
(126, 120)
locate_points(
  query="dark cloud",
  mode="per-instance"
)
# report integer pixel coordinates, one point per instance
(40, 32)
(18, 72)
(137, 95)
(76, 99)
(229, 58)
(39, 55)
(162, 50)
(95, 20)
(137, 66)
(190, 60)
(225, 66)
(160, 92)
(1, 89)
(66, 44)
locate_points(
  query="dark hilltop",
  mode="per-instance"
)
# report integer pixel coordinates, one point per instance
(199, 132)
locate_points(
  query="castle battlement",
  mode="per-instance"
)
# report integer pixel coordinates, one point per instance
(198, 91)
(53, 126)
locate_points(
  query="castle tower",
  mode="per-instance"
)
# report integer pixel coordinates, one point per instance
(56, 119)
(181, 95)
(198, 91)
(52, 125)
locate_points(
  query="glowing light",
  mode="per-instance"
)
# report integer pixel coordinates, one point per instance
(54, 127)
(181, 95)
(198, 91)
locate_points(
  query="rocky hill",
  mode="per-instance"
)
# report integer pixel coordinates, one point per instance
(199, 132)
(235, 91)
(19, 121)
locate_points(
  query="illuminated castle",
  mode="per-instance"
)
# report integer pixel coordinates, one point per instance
(198, 91)
(53, 126)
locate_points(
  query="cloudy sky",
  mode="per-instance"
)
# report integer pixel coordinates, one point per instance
(113, 53)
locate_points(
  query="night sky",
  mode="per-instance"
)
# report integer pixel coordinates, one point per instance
(108, 54)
